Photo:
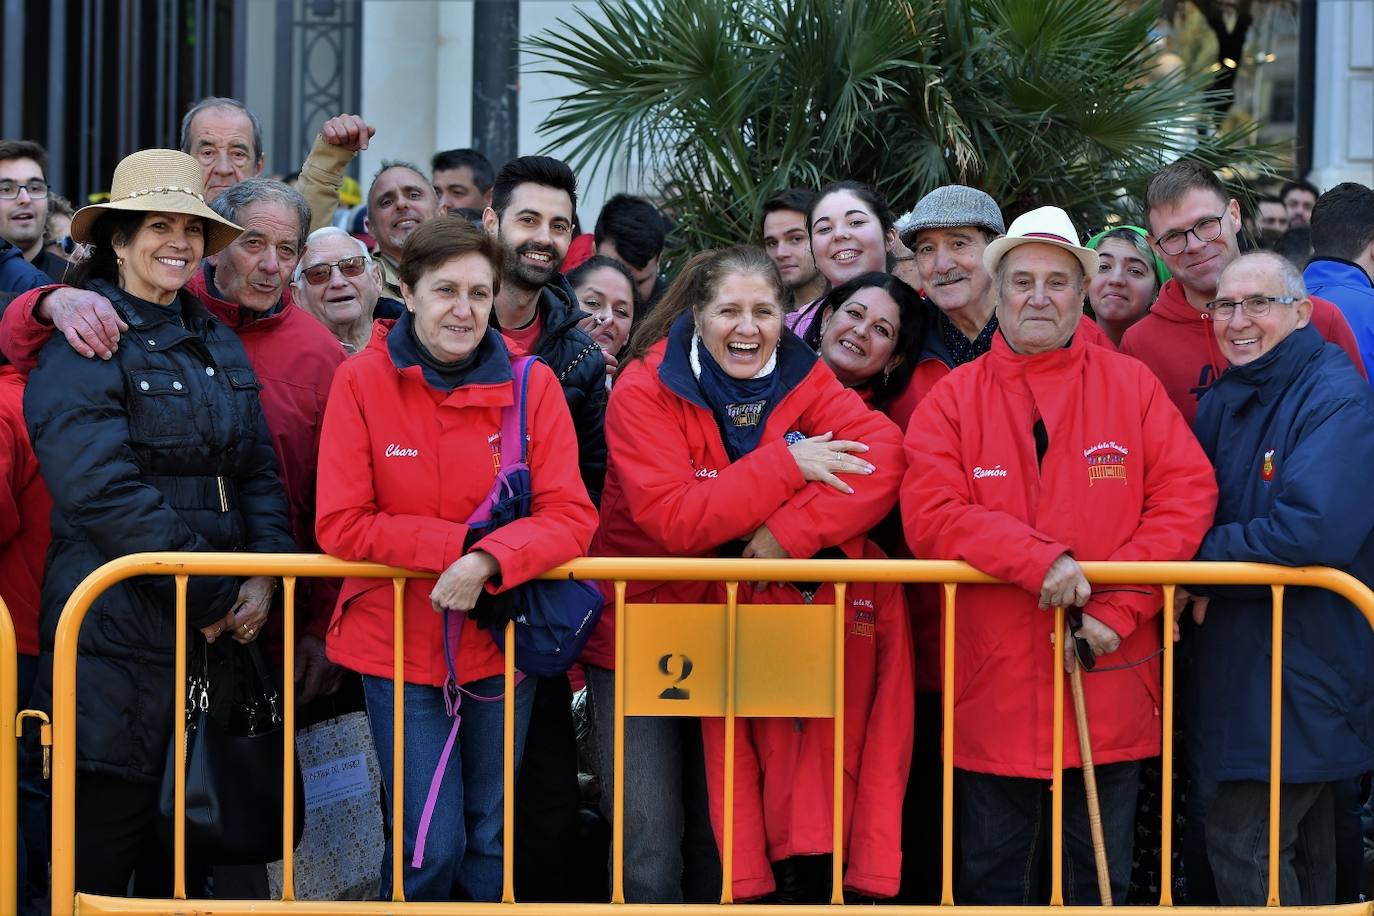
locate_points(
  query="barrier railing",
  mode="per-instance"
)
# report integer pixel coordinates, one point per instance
(720, 637)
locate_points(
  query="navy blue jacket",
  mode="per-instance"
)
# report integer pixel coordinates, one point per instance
(17, 275)
(1291, 436)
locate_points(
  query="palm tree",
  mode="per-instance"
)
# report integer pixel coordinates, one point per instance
(726, 102)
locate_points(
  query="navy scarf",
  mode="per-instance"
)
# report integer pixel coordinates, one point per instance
(741, 406)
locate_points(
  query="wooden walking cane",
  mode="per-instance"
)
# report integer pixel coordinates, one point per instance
(1085, 750)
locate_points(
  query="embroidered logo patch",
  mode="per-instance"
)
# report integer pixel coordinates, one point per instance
(745, 414)
(864, 622)
(1267, 468)
(1106, 461)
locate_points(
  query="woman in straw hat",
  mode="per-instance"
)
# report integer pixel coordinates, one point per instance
(162, 447)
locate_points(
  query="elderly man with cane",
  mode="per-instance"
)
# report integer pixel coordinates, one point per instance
(1045, 452)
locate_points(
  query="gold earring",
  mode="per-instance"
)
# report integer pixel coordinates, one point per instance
(119, 262)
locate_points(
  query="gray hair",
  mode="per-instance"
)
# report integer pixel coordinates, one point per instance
(216, 101)
(329, 232)
(1289, 276)
(233, 199)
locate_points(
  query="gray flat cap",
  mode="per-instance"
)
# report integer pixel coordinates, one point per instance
(950, 206)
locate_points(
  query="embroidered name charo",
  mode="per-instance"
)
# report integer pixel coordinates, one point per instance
(400, 451)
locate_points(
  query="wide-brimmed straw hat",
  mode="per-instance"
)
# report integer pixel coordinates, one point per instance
(159, 181)
(1047, 226)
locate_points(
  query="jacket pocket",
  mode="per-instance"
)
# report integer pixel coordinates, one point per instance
(161, 410)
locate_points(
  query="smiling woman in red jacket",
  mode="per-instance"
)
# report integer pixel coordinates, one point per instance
(726, 437)
(406, 455)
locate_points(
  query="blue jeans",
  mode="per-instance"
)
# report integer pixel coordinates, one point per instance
(462, 859)
(1004, 841)
(670, 850)
(1238, 843)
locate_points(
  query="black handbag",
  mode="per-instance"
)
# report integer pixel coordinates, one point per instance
(233, 762)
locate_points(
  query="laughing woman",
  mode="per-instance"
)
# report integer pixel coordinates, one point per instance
(727, 437)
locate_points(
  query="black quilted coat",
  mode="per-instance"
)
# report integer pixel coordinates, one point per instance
(581, 370)
(163, 447)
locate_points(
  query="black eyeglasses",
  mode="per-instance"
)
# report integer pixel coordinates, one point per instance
(318, 274)
(38, 189)
(1207, 229)
(1250, 306)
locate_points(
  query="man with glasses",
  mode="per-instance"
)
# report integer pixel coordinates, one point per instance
(1194, 224)
(339, 283)
(24, 204)
(1290, 429)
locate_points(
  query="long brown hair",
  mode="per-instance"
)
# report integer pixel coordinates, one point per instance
(697, 285)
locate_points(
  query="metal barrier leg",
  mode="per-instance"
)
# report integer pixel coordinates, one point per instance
(618, 799)
(947, 734)
(1166, 760)
(727, 852)
(1057, 786)
(837, 841)
(1275, 754)
(179, 742)
(508, 772)
(398, 747)
(9, 762)
(288, 769)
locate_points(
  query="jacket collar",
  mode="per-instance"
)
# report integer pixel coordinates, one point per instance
(1269, 376)
(147, 319)
(202, 286)
(1008, 362)
(795, 361)
(558, 307)
(493, 366)
(1336, 272)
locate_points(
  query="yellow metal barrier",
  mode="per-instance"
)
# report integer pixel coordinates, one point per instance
(722, 636)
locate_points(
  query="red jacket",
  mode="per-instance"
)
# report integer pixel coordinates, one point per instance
(784, 777)
(402, 467)
(294, 358)
(671, 489)
(923, 601)
(25, 507)
(1176, 341)
(1122, 479)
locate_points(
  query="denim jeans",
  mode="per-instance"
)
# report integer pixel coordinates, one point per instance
(1004, 836)
(1238, 843)
(462, 859)
(670, 851)
(33, 803)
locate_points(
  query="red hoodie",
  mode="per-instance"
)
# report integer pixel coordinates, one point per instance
(294, 358)
(784, 768)
(1176, 341)
(24, 510)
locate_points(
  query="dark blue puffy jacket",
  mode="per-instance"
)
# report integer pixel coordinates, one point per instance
(1292, 438)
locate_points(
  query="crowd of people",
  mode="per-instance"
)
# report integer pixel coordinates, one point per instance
(212, 360)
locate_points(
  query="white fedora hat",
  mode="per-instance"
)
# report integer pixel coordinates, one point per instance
(1045, 226)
